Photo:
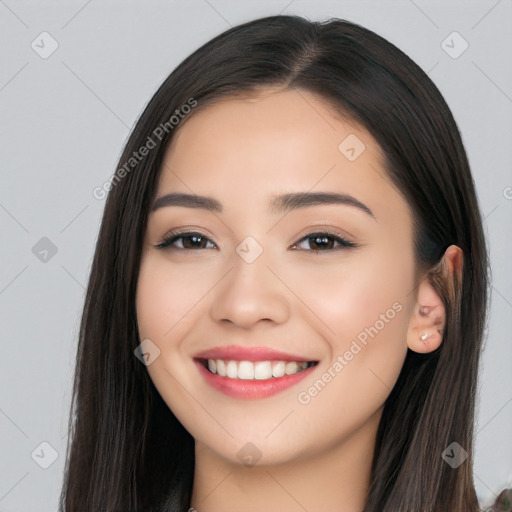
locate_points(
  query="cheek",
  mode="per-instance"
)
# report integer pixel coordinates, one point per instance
(354, 293)
(361, 310)
(155, 303)
(167, 297)
(165, 313)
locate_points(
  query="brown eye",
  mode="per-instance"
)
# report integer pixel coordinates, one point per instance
(324, 242)
(190, 241)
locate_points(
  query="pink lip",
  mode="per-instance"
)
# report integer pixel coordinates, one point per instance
(250, 389)
(239, 353)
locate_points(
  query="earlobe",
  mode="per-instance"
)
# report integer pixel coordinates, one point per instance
(426, 327)
(427, 324)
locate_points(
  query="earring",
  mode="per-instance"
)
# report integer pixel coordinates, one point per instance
(425, 336)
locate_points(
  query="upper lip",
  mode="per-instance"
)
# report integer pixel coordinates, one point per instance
(241, 353)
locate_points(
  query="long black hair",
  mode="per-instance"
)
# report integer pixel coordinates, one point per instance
(126, 450)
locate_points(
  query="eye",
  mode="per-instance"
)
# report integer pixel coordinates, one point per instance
(324, 242)
(189, 240)
(320, 242)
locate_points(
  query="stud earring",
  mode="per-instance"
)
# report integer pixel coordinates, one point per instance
(425, 336)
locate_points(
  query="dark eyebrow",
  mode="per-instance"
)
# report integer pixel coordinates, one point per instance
(287, 202)
(189, 201)
(279, 203)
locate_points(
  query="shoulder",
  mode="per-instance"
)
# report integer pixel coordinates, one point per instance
(503, 502)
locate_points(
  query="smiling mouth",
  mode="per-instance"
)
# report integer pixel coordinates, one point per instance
(255, 370)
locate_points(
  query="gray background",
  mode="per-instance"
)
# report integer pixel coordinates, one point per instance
(64, 120)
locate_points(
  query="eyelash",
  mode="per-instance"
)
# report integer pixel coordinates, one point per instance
(173, 236)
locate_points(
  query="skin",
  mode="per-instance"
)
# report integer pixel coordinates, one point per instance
(315, 456)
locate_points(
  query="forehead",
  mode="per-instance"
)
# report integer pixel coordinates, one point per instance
(288, 123)
(276, 141)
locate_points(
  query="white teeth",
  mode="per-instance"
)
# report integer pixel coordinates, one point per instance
(278, 370)
(263, 370)
(245, 370)
(291, 368)
(221, 367)
(260, 370)
(232, 370)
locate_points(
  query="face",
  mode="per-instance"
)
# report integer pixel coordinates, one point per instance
(300, 308)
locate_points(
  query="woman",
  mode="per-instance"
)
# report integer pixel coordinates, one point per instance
(289, 290)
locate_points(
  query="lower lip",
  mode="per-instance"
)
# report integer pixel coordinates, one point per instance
(251, 389)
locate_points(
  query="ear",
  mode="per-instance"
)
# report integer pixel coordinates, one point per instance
(427, 323)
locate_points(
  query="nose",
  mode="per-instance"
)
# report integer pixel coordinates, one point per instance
(250, 293)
